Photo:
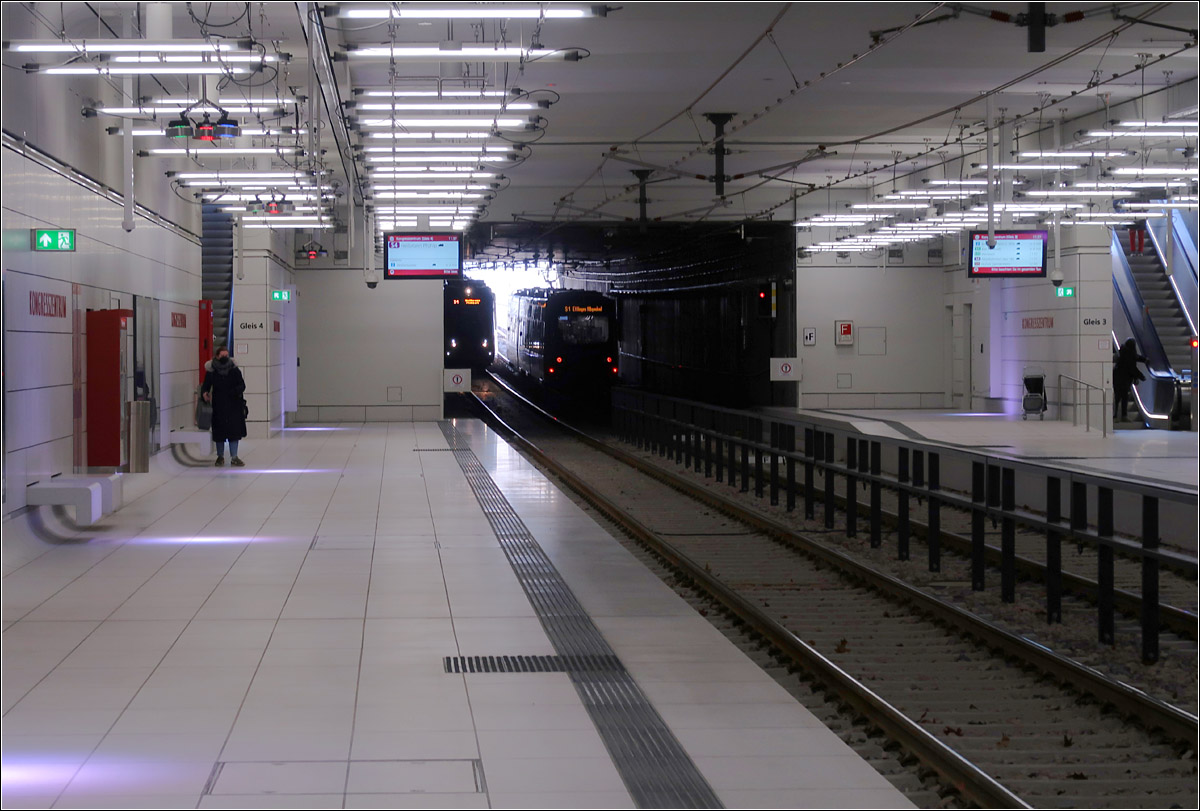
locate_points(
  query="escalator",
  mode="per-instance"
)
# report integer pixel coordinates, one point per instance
(216, 265)
(1158, 310)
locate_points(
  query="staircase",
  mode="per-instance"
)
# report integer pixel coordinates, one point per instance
(1166, 314)
(216, 265)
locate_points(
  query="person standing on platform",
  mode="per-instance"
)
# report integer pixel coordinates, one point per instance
(224, 387)
(1125, 376)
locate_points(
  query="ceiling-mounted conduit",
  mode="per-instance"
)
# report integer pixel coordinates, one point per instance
(330, 93)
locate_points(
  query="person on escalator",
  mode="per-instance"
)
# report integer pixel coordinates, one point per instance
(1126, 375)
(1137, 238)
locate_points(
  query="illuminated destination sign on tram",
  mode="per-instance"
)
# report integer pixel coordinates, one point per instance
(575, 308)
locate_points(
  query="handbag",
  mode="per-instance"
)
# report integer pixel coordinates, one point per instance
(204, 413)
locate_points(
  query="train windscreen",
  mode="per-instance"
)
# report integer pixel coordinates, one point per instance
(583, 328)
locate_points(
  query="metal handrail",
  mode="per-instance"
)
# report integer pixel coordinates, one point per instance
(1087, 400)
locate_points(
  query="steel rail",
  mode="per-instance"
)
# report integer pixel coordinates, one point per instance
(973, 783)
(1134, 704)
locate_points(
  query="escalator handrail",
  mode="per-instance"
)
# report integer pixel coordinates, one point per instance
(1135, 311)
(1188, 282)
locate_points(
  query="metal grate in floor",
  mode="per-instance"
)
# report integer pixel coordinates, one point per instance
(529, 664)
(651, 761)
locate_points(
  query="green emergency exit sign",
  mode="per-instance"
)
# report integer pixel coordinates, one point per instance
(1064, 292)
(281, 295)
(53, 239)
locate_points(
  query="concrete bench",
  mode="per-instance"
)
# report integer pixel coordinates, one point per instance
(87, 497)
(201, 438)
(112, 489)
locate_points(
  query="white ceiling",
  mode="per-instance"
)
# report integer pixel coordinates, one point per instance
(654, 69)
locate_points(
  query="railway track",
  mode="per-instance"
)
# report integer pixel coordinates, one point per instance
(997, 727)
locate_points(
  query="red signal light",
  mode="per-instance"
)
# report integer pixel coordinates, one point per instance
(551, 370)
(610, 360)
(614, 370)
(1194, 343)
(558, 360)
(312, 254)
(761, 294)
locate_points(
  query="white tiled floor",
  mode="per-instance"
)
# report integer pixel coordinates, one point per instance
(272, 637)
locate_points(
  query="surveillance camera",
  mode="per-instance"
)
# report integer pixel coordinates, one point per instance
(372, 279)
(1056, 278)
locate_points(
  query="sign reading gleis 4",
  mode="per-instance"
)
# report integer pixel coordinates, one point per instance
(1017, 254)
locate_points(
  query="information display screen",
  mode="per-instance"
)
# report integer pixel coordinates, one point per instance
(422, 256)
(1017, 254)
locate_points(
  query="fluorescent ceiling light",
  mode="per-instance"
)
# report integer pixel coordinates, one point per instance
(449, 121)
(140, 70)
(244, 109)
(476, 148)
(1159, 171)
(306, 226)
(264, 175)
(217, 59)
(1174, 133)
(1133, 184)
(432, 175)
(452, 106)
(1077, 193)
(892, 206)
(1030, 207)
(428, 135)
(1173, 123)
(1160, 205)
(490, 12)
(468, 52)
(1018, 167)
(377, 159)
(1109, 215)
(55, 46)
(427, 94)
(226, 151)
(398, 195)
(431, 187)
(1100, 153)
(182, 101)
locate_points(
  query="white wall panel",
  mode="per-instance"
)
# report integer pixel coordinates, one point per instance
(355, 342)
(34, 416)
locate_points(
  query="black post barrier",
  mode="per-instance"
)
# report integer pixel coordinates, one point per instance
(918, 473)
(810, 452)
(756, 434)
(685, 436)
(1149, 580)
(732, 463)
(851, 487)
(935, 514)
(1079, 509)
(708, 449)
(1053, 551)
(776, 444)
(720, 456)
(864, 457)
(697, 442)
(978, 515)
(1104, 577)
(829, 455)
(876, 495)
(791, 468)
(745, 466)
(993, 489)
(903, 530)
(664, 435)
(1008, 537)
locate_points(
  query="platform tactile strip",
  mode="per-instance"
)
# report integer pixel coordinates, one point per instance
(651, 761)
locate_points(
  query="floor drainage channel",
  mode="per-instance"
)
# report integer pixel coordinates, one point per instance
(652, 763)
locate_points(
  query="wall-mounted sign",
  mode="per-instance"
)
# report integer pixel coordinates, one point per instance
(281, 295)
(1064, 292)
(276, 323)
(1016, 254)
(1040, 322)
(456, 380)
(785, 370)
(53, 239)
(843, 333)
(810, 336)
(179, 320)
(50, 305)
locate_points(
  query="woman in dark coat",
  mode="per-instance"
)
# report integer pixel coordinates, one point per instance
(1125, 375)
(224, 387)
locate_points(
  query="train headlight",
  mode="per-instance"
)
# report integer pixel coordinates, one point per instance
(485, 343)
(453, 343)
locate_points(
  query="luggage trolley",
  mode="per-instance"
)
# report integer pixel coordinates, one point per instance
(1034, 401)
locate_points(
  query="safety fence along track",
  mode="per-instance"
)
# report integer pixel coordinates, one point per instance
(1004, 722)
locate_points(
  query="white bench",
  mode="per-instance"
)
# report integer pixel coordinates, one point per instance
(201, 438)
(87, 497)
